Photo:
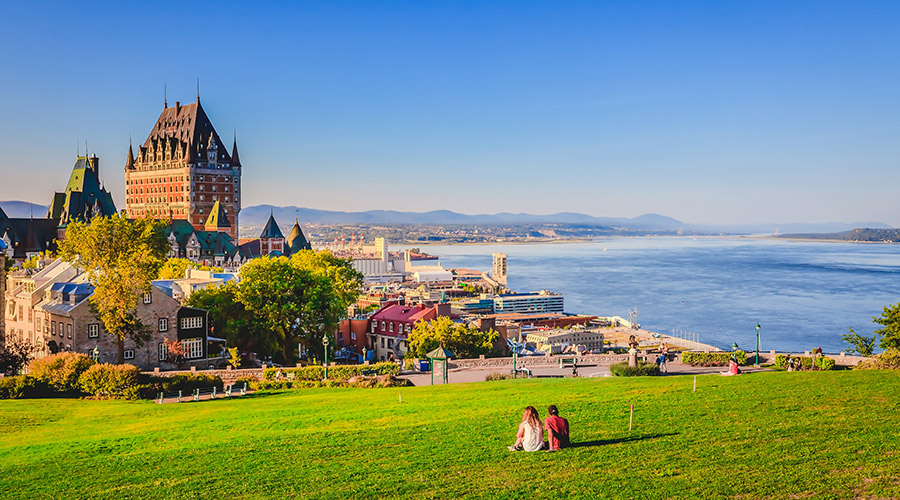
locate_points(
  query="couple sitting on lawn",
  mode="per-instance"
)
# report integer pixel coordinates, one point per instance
(531, 433)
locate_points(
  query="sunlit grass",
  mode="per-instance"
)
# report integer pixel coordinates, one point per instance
(767, 435)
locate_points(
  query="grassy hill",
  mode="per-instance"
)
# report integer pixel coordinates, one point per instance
(766, 435)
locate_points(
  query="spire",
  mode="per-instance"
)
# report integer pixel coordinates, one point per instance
(198, 90)
(235, 160)
(129, 162)
(165, 97)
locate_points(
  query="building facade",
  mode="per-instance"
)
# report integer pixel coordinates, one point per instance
(542, 301)
(183, 169)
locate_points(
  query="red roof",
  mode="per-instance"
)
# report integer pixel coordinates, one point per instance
(396, 312)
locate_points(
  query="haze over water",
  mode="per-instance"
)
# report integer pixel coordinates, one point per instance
(803, 294)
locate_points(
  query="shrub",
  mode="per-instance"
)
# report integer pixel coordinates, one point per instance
(340, 372)
(805, 362)
(61, 371)
(694, 358)
(888, 360)
(113, 381)
(23, 386)
(490, 377)
(643, 369)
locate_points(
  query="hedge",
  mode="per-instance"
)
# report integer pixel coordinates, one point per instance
(61, 371)
(23, 386)
(694, 358)
(112, 381)
(888, 360)
(339, 372)
(643, 369)
(805, 362)
(360, 382)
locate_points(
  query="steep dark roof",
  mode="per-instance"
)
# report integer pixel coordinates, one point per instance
(84, 197)
(271, 231)
(296, 241)
(187, 126)
(28, 235)
(235, 160)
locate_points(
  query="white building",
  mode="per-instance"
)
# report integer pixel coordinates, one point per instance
(542, 301)
(559, 341)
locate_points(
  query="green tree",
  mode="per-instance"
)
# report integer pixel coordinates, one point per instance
(175, 268)
(859, 344)
(15, 354)
(230, 319)
(121, 257)
(463, 340)
(890, 320)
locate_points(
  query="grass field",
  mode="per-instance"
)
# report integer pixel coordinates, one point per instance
(765, 435)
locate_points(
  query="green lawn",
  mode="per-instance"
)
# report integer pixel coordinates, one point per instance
(765, 435)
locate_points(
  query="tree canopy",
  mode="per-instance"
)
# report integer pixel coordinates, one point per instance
(175, 268)
(890, 320)
(121, 257)
(463, 340)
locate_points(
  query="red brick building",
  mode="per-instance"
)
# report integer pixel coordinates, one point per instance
(391, 325)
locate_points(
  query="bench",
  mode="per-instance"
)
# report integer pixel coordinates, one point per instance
(229, 390)
(567, 361)
(368, 373)
(206, 391)
(524, 370)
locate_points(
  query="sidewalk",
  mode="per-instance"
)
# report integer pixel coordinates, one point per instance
(465, 375)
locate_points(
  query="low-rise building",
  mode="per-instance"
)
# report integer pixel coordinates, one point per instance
(542, 301)
(391, 325)
(575, 340)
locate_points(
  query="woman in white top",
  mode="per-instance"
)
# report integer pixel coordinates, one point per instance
(531, 432)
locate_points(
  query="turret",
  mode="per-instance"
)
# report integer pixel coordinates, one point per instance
(129, 161)
(235, 161)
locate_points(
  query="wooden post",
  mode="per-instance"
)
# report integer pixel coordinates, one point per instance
(179, 396)
(160, 398)
(399, 397)
(214, 392)
(695, 383)
(631, 418)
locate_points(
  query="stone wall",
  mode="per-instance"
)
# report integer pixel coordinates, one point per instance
(227, 376)
(531, 361)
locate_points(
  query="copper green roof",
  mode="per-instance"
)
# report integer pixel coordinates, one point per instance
(84, 197)
(440, 353)
(217, 217)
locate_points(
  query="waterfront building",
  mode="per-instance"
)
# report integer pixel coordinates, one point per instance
(498, 268)
(542, 301)
(183, 169)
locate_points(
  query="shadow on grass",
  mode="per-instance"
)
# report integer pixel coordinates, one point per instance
(604, 442)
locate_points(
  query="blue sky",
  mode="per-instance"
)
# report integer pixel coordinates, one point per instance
(709, 112)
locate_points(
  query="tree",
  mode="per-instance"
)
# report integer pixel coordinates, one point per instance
(300, 299)
(463, 340)
(230, 319)
(176, 268)
(890, 320)
(859, 344)
(15, 354)
(121, 257)
(175, 352)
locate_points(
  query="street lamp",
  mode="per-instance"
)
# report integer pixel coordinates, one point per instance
(757, 344)
(325, 343)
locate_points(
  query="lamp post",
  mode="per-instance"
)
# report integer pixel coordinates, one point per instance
(757, 344)
(325, 343)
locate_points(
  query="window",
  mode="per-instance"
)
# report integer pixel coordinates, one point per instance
(38, 323)
(148, 298)
(94, 330)
(53, 328)
(352, 335)
(129, 353)
(193, 348)
(162, 351)
(193, 322)
(382, 341)
(374, 324)
(383, 326)
(408, 328)
(392, 327)
(390, 343)
(163, 324)
(68, 331)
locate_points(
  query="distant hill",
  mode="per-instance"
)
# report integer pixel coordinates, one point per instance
(859, 234)
(23, 209)
(257, 215)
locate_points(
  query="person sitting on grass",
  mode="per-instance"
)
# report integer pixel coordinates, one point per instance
(557, 429)
(531, 433)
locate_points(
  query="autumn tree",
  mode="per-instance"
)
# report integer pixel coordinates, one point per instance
(15, 354)
(463, 340)
(175, 268)
(121, 258)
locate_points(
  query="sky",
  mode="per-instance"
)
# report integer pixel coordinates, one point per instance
(708, 112)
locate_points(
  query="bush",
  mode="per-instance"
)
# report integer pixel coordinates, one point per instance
(888, 360)
(643, 369)
(340, 372)
(23, 386)
(490, 377)
(694, 358)
(805, 362)
(61, 371)
(113, 381)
